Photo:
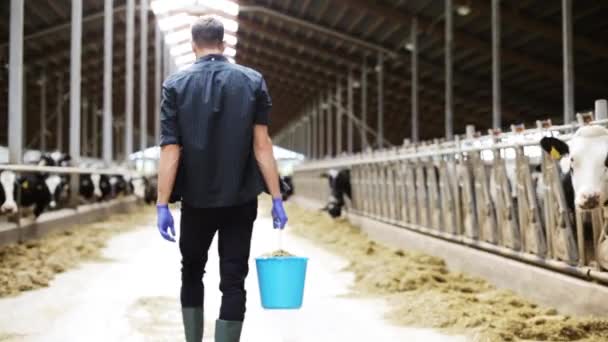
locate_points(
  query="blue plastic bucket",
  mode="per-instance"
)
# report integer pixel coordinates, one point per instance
(281, 281)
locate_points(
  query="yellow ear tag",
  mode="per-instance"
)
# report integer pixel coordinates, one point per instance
(25, 185)
(555, 154)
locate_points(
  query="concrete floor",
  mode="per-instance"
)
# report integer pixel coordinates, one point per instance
(132, 295)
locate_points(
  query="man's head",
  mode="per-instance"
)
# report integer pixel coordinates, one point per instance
(207, 36)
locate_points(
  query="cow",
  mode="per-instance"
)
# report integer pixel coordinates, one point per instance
(8, 192)
(119, 185)
(58, 189)
(101, 186)
(584, 162)
(339, 185)
(34, 192)
(31, 188)
(151, 190)
(286, 186)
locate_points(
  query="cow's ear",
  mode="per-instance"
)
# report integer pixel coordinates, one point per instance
(555, 147)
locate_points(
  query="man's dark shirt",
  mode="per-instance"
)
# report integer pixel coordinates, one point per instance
(210, 109)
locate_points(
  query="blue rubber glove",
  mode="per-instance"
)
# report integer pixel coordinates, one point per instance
(279, 217)
(165, 222)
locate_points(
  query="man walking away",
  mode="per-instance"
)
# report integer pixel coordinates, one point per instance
(214, 126)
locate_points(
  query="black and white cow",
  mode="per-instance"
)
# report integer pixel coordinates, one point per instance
(339, 185)
(119, 185)
(286, 186)
(8, 192)
(58, 189)
(584, 163)
(30, 188)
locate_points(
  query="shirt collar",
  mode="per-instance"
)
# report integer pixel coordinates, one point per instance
(212, 57)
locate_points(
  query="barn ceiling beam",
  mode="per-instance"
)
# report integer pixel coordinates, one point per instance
(517, 18)
(462, 79)
(270, 50)
(462, 37)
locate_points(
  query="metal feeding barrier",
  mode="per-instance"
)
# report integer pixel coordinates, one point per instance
(74, 172)
(498, 192)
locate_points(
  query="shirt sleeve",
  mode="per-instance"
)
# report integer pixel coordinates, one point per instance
(263, 104)
(169, 129)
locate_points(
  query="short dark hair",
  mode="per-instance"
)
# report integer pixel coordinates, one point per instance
(207, 31)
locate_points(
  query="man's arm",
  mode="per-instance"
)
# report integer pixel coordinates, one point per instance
(167, 170)
(262, 147)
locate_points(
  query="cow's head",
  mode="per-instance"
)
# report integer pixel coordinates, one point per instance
(96, 180)
(55, 185)
(8, 181)
(585, 156)
(139, 187)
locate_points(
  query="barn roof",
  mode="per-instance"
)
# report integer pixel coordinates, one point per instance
(304, 46)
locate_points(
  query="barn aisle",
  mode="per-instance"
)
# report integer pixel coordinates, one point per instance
(132, 295)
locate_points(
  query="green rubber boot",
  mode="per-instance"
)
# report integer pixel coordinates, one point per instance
(194, 322)
(228, 331)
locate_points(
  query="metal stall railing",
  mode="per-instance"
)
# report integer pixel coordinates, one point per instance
(497, 192)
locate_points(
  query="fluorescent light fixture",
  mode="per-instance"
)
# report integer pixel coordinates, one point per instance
(225, 6)
(185, 59)
(178, 36)
(229, 24)
(463, 10)
(230, 39)
(228, 51)
(231, 60)
(174, 21)
(181, 49)
(164, 6)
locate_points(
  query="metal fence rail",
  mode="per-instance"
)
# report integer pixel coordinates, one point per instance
(483, 192)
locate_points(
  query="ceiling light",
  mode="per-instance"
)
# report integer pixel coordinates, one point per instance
(409, 46)
(226, 6)
(463, 10)
(229, 24)
(231, 60)
(174, 21)
(164, 6)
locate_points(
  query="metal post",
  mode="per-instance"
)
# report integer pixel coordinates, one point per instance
(568, 61)
(59, 130)
(349, 107)
(328, 107)
(157, 81)
(315, 127)
(321, 126)
(308, 136)
(449, 100)
(339, 144)
(43, 130)
(143, 75)
(15, 83)
(496, 90)
(84, 131)
(414, 66)
(95, 128)
(107, 81)
(130, 35)
(75, 81)
(380, 124)
(75, 84)
(364, 143)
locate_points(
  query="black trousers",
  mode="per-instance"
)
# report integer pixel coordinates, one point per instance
(234, 226)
